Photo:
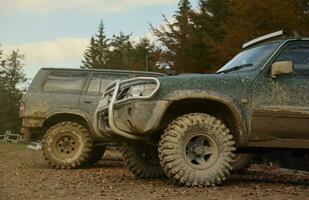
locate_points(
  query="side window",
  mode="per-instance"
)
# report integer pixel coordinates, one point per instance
(299, 54)
(100, 80)
(65, 81)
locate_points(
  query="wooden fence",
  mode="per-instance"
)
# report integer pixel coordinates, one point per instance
(8, 137)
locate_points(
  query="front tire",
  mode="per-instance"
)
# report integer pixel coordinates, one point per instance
(197, 150)
(67, 145)
(142, 160)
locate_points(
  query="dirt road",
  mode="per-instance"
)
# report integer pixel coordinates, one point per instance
(25, 175)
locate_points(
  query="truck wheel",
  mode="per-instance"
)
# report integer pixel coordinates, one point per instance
(241, 162)
(197, 150)
(142, 160)
(96, 154)
(67, 145)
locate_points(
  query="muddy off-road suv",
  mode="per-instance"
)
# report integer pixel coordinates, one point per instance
(61, 103)
(191, 128)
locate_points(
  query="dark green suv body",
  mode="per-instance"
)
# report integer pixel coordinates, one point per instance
(259, 99)
(65, 99)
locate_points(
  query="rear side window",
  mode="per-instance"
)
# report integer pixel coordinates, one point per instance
(65, 81)
(100, 80)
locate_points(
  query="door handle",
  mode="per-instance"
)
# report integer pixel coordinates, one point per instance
(88, 102)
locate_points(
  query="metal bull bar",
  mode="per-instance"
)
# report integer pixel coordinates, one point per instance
(116, 85)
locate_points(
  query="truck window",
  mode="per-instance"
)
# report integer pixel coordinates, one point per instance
(100, 80)
(299, 54)
(65, 81)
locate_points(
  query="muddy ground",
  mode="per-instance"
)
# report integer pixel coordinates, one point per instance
(25, 175)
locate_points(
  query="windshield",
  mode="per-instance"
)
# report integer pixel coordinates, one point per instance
(251, 57)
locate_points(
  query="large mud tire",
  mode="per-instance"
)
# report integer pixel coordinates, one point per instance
(197, 150)
(241, 162)
(142, 160)
(96, 155)
(67, 145)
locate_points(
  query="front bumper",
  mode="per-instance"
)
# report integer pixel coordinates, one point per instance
(131, 118)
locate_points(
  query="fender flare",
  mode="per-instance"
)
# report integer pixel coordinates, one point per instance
(243, 133)
(76, 112)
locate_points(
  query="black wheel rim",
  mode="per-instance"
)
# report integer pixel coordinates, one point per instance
(201, 151)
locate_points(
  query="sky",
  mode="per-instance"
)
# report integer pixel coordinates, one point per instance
(55, 33)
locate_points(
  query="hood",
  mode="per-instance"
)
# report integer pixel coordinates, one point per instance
(199, 84)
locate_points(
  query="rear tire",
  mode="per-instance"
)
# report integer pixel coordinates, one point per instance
(142, 160)
(197, 150)
(67, 145)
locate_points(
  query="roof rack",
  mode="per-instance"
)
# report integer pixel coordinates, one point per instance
(293, 34)
(263, 38)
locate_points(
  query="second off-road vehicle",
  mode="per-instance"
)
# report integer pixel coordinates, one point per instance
(59, 108)
(191, 127)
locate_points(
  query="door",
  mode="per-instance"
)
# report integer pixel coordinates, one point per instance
(281, 105)
(95, 88)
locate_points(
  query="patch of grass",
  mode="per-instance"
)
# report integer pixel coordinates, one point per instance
(9, 146)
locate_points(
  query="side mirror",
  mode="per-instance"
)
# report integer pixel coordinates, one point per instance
(282, 68)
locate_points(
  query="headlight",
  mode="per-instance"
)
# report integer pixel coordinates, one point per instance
(141, 90)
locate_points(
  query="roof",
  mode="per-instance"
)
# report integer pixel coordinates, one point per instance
(105, 70)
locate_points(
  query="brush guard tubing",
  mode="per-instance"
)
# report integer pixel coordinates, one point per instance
(115, 87)
(111, 120)
(112, 86)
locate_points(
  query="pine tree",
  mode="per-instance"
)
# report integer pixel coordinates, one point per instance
(211, 16)
(3, 91)
(11, 76)
(143, 55)
(208, 31)
(90, 56)
(175, 36)
(119, 56)
(96, 54)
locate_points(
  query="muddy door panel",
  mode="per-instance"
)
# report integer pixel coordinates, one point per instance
(281, 104)
(263, 98)
(286, 114)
